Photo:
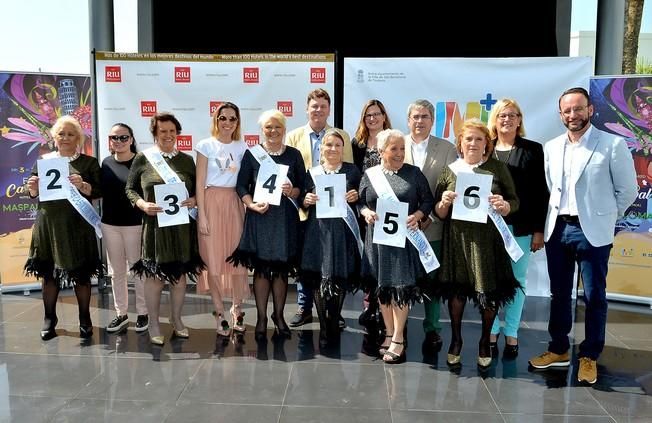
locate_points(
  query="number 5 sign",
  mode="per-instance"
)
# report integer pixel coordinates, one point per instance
(169, 198)
(472, 201)
(269, 183)
(391, 226)
(52, 179)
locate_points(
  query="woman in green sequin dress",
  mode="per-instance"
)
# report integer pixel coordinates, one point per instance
(64, 249)
(171, 253)
(474, 262)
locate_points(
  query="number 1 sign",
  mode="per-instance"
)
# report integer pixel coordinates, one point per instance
(52, 179)
(331, 190)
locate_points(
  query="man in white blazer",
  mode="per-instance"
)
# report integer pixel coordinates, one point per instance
(592, 181)
(307, 139)
(431, 155)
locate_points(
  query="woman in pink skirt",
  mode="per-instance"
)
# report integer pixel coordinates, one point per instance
(221, 216)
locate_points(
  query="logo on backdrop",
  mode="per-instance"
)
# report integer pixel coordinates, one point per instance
(284, 107)
(250, 75)
(251, 140)
(112, 74)
(184, 142)
(360, 74)
(213, 105)
(182, 74)
(317, 75)
(147, 108)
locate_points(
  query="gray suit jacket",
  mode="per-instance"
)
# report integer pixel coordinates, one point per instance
(604, 188)
(440, 153)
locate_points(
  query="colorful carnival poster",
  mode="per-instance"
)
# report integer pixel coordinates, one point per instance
(29, 105)
(623, 106)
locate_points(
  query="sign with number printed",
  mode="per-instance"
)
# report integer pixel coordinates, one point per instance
(331, 190)
(391, 226)
(53, 179)
(269, 183)
(169, 198)
(473, 191)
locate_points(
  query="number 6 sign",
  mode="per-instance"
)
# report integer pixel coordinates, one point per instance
(391, 226)
(52, 179)
(169, 198)
(472, 201)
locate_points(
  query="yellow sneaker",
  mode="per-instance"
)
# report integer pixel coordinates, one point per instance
(588, 371)
(550, 359)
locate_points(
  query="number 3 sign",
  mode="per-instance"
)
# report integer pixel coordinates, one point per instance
(169, 198)
(53, 175)
(391, 226)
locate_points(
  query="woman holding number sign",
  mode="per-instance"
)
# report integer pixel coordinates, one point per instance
(169, 253)
(331, 255)
(64, 250)
(270, 239)
(221, 216)
(394, 270)
(475, 264)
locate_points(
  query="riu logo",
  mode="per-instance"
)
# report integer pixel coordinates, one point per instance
(112, 74)
(182, 74)
(250, 75)
(147, 108)
(317, 75)
(252, 140)
(284, 107)
(213, 105)
(184, 142)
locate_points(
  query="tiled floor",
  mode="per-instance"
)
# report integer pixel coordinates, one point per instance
(123, 378)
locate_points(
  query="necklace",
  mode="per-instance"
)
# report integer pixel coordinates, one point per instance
(509, 154)
(331, 171)
(70, 158)
(275, 153)
(170, 154)
(389, 171)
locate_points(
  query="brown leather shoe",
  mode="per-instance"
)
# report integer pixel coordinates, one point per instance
(588, 371)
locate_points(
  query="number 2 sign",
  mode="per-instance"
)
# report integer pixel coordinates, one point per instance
(391, 226)
(53, 175)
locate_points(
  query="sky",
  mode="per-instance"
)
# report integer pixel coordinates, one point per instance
(52, 36)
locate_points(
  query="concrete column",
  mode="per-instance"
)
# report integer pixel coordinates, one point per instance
(610, 30)
(145, 26)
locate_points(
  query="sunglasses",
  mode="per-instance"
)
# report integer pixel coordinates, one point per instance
(230, 119)
(120, 138)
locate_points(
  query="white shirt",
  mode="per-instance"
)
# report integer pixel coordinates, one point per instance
(419, 152)
(568, 202)
(223, 161)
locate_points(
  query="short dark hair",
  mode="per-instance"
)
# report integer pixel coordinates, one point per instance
(163, 117)
(575, 90)
(319, 93)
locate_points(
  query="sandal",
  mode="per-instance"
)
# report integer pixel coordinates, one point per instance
(383, 348)
(393, 357)
(237, 317)
(223, 328)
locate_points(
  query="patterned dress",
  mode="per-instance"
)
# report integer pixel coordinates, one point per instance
(330, 259)
(394, 272)
(474, 262)
(64, 245)
(270, 243)
(172, 251)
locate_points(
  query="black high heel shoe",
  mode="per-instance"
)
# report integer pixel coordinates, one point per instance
(393, 357)
(48, 332)
(510, 352)
(493, 347)
(260, 333)
(85, 332)
(281, 331)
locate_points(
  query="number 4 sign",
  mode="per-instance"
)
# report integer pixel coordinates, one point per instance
(391, 226)
(269, 183)
(53, 175)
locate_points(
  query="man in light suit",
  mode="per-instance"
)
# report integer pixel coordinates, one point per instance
(307, 139)
(431, 155)
(592, 181)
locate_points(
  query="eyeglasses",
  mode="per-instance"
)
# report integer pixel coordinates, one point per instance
(506, 116)
(119, 138)
(576, 109)
(373, 115)
(230, 119)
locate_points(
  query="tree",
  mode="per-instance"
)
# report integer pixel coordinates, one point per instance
(633, 16)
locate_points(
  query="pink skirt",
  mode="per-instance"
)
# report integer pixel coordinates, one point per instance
(225, 214)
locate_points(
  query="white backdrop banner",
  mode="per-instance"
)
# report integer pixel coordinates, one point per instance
(131, 87)
(461, 89)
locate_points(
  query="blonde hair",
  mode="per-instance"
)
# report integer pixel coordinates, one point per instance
(501, 105)
(69, 120)
(480, 126)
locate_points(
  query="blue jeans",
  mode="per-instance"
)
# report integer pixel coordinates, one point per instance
(568, 246)
(304, 297)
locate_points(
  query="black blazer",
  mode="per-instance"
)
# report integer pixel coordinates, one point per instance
(526, 166)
